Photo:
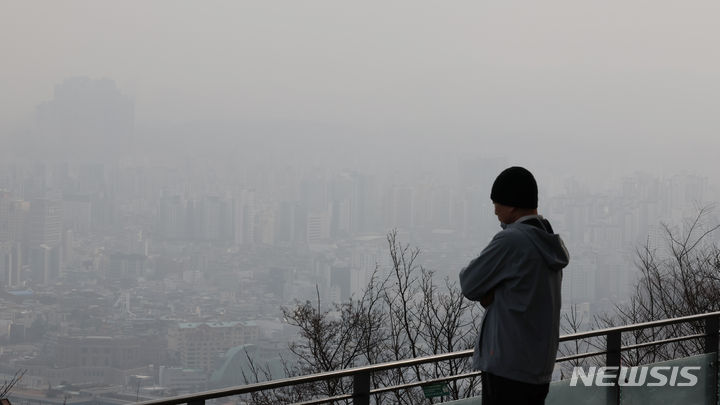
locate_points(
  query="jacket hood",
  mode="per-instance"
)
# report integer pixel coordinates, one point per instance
(550, 246)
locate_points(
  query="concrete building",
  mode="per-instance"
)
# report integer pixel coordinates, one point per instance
(11, 264)
(121, 352)
(87, 112)
(244, 217)
(45, 262)
(45, 222)
(44, 240)
(198, 344)
(318, 227)
(125, 266)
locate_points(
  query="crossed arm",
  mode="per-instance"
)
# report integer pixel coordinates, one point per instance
(483, 274)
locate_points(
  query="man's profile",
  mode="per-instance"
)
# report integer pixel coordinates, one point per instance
(517, 278)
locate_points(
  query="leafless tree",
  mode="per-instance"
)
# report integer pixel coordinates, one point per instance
(7, 386)
(402, 313)
(681, 279)
(425, 319)
(261, 372)
(571, 322)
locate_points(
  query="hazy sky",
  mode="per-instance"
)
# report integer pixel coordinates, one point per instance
(623, 78)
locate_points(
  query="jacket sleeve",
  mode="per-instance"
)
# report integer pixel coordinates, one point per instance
(488, 270)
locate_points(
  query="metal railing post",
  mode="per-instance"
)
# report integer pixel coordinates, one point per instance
(612, 359)
(361, 389)
(712, 324)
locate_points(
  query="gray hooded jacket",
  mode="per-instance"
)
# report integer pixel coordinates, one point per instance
(522, 265)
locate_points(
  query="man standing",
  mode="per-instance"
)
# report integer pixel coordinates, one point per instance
(517, 278)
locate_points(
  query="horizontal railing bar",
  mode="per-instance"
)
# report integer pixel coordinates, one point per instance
(631, 347)
(284, 382)
(415, 384)
(325, 400)
(412, 362)
(636, 326)
(660, 342)
(580, 356)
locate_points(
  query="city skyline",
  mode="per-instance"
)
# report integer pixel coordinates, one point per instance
(191, 192)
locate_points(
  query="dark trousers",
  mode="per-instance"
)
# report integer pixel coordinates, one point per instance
(498, 390)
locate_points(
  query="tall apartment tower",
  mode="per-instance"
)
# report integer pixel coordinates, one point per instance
(244, 217)
(13, 214)
(44, 239)
(88, 120)
(45, 222)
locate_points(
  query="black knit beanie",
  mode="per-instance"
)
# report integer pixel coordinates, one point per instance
(515, 187)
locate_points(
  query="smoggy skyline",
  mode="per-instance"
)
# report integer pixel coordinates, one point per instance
(180, 181)
(587, 88)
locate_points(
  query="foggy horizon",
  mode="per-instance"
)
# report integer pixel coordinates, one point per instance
(631, 80)
(176, 174)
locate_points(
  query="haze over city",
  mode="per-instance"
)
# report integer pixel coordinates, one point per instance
(173, 164)
(633, 80)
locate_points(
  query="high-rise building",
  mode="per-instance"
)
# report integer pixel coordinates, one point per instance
(11, 264)
(265, 227)
(77, 213)
(212, 219)
(244, 217)
(44, 239)
(173, 218)
(318, 227)
(45, 222)
(45, 262)
(314, 192)
(400, 207)
(476, 177)
(87, 120)
(13, 216)
(480, 172)
(287, 224)
(5, 203)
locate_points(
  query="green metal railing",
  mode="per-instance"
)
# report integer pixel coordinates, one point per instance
(362, 390)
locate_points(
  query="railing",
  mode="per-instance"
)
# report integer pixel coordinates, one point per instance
(361, 375)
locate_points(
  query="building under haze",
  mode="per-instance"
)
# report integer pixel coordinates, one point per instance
(197, 345)
(13, 214)
(87, 120)
(44, 239)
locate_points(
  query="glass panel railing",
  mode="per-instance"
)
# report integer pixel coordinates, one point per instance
(565, 392)
(466, 401)
(688, 380)
(560, 393)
